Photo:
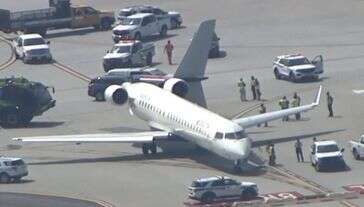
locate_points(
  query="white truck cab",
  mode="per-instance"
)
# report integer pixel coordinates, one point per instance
(129, 53)
(140, 25)
(297, 67)
(357, 148)
(12, 169)
(32, 47)
(211, 188)
(326, 155)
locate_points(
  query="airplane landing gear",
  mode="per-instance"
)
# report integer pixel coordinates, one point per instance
(152, 147)
(239, 165)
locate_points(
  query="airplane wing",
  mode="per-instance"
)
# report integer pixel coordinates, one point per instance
(135, 137)
(358, 91)
(259, 143)
(250, 121)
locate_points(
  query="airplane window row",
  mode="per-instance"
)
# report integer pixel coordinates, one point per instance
(172, 117)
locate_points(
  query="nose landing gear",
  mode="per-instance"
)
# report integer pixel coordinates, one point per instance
(239, 165)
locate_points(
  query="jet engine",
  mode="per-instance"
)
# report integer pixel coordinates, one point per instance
(116, 95)
(176, 86)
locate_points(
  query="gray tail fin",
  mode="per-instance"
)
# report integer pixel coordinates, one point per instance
(193, 65)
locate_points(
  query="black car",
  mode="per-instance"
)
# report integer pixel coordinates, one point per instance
(97, 86)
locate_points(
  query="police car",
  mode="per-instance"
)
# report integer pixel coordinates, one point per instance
(326, 155)
(209, 189)
(297, 67)
(12, 169)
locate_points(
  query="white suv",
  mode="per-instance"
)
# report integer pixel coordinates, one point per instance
(326, 155)
(209, 189)
(12, 169)
(297, 67)
(32, 47)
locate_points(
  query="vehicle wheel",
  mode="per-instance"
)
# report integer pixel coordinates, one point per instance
(10, 118)
(26, 119)
(153, 148)
(138, 36)
(276, 74)
(17, 179)
(163, 31)
(356, 154)
(174, 23)
(248, 194)
(105, 24)
(145, 149)
(292, 77)
(99, 96)
(149, 59)
(208, 197)
(16, 55)
(4, 178)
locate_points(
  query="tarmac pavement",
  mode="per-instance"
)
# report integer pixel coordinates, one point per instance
(252, 33)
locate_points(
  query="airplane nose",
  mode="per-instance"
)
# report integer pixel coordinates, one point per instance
(240, 148)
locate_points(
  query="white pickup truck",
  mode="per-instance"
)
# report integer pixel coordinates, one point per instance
(32, 47)
(357, 148)
(326, 155)
(140, 25)
(129, 53)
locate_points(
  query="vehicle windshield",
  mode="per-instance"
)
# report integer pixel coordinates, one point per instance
(236, 135)
(120, 49)
(198, 184)
(327, 148)
(131, 21)
(17, 162)
(34, 41)
(125, 13)
(298, 61)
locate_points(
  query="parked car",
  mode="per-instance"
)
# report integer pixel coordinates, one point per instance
(297, 67)
(326, 155)
(32, 48)
(174, 17)
(12, 169)
(211, 188)
(129, 53)
(140, 25)
(357, 148)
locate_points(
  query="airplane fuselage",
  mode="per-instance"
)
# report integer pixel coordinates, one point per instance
(166, 111)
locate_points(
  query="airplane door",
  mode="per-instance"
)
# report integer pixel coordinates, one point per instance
(318, 62)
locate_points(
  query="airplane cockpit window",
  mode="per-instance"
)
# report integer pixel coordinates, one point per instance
(240, 134)
(218, 135)
(236, 135)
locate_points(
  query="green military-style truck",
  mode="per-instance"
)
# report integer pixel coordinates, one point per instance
(21, 100)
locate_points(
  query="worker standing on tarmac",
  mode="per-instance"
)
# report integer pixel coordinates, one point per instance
(298, 148)
(168, 48)
(284, 104)
(330, 101)
(252, 86)
(257, 89)
(296, 102)
(263, 110)
(272, 155)
(242, 91)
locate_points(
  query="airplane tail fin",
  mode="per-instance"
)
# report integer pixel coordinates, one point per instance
(193, 65)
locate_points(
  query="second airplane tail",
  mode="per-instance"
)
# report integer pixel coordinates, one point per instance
(193, 65)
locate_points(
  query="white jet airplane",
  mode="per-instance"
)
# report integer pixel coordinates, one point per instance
(358, 91)
(185, 117)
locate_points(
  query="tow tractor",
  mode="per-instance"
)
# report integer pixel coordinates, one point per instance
(129, 53)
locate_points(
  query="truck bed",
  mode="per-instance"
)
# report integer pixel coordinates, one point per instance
(13, 21)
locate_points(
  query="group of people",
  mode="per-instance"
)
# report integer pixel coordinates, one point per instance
(254, 86)
(284, 104)
(298, 149)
